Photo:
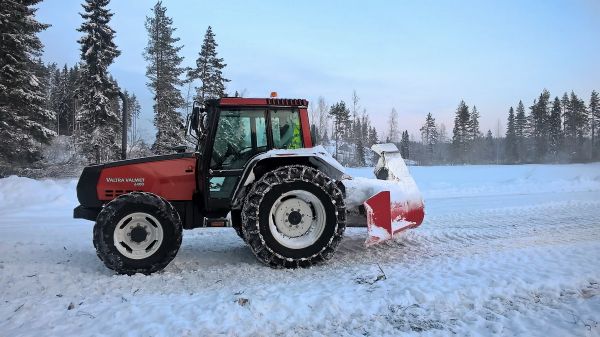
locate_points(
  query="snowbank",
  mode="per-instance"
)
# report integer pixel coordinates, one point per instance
(18, 193)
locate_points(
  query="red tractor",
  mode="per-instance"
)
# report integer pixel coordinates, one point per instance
(254, 169)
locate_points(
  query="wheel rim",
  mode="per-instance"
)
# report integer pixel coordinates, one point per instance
(138, 236)
(297, 219)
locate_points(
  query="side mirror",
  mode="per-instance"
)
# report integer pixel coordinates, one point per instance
(195, 118)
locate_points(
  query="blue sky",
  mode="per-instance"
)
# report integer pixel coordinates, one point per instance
(416, 56)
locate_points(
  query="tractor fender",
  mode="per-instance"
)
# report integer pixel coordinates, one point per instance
(316, 157)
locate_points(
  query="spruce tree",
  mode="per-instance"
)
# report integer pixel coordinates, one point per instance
(554, 129)
(366, 125)
(575, 125)
(429, 136)
(55, 99)
(595, 123)
(582, 121)
(540, 113)
(61, 101)
(405, 145)
(341, 119)
(45, 75)
(99, 125)
(521, 132)
(209, 70)
(474, 132)
(164, 73)
(460, 132)
(511, 140)
(325, 139)
(474, 143)
(24, 116)
(373, 137)
(570, 123)
(73, 77)
(565, 103)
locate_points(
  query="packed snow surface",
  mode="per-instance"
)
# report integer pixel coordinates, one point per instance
(503, 250)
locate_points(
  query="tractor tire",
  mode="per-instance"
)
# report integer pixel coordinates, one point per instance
(137, 232)
(294, 216)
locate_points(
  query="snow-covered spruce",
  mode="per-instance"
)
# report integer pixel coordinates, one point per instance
(262, 233)
(164, 71)
(209, 70)
(24, 118)
(161, 241)
(99, 124)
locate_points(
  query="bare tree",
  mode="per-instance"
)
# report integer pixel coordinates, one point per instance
(321, 117)
(393, 130)
(442, 133)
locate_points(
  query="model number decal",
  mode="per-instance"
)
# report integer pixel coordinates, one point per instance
(136, 181)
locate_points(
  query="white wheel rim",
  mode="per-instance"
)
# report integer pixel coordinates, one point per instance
(297, 219)
(138, 236)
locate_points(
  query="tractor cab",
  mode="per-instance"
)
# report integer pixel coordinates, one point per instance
(231, 131)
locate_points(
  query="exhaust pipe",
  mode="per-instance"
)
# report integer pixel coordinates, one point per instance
(124, 128)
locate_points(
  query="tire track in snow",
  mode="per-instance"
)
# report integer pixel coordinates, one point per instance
(482, 230)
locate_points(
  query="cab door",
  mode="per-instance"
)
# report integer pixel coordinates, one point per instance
(239, 135)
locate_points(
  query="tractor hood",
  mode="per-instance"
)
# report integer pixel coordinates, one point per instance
(99, 184)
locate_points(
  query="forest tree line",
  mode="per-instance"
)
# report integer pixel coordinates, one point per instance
(39, 102)
(564, 130)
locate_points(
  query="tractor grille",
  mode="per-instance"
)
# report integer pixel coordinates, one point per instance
(115, 193)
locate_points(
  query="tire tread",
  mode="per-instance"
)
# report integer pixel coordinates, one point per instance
(251, 209)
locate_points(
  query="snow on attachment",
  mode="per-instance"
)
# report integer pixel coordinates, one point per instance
(395, 203)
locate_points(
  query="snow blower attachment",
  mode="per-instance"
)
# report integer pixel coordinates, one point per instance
(394, 202)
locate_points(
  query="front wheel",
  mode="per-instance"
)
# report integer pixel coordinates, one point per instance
(293, 217)
(137, 232)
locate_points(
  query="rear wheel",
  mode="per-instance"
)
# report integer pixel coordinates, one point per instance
(137, 232)
(293, 217)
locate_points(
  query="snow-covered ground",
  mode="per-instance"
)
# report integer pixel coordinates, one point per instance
(504, 250)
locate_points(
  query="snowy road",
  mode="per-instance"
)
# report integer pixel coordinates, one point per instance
(506, 250)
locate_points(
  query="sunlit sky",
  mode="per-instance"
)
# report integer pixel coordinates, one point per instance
(416, 56)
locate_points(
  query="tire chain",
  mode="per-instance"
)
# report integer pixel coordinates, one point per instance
(251, 210)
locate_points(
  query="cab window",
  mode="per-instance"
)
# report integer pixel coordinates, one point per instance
(240, 135)
(285, 125)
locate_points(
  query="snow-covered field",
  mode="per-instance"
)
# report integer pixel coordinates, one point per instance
(504, 250)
